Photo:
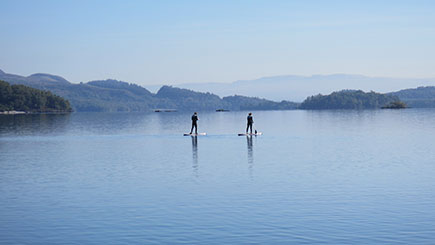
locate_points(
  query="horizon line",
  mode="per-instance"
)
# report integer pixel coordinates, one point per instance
(233, 81)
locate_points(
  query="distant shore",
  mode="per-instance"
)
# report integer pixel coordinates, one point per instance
(32, 112)
(12, 112)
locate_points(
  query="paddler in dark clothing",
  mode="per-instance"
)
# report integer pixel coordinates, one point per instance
(250, 122)
(194, 120)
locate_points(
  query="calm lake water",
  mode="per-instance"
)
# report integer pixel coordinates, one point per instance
(331, 177)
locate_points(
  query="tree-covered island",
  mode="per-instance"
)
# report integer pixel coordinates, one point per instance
(349, 99)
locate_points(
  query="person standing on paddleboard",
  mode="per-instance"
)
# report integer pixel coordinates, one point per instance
(250, 122)
(194, 124)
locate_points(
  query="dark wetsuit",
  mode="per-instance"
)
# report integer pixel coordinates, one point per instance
(250, 122)
(194, 120)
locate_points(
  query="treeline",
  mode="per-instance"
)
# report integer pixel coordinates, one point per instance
(348, 99)
(23, 98)
(238, 102)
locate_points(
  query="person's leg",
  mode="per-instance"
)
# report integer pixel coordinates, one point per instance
(196, 128)
(191, 130)
(250, 126)
(247, 127)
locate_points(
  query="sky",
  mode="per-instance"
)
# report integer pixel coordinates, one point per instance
(172, 42)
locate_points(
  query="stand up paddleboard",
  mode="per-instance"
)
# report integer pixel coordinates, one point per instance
(198, 134)
(257, 134)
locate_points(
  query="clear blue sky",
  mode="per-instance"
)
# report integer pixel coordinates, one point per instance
(155, 42)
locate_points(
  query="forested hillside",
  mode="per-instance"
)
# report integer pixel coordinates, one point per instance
(184, 99)
(23, 98)
(238, 102)
(417, 97)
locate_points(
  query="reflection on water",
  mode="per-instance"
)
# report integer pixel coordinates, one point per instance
(30, 124)
(195, 154)
(250, 155)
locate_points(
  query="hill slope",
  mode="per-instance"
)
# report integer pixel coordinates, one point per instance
(107, 95)
(417, 97)
(24, 98)
(113, 95)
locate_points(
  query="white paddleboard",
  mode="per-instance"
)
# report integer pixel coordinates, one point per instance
(257, 134)
(198, 134)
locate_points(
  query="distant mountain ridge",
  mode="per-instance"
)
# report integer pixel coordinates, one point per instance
(113, 95)
(37, 79)
(297, 88)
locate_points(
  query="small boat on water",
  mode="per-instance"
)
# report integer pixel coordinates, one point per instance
(165, 110)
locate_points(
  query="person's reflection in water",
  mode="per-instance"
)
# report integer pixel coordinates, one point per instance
(250, 154)
(195, 155)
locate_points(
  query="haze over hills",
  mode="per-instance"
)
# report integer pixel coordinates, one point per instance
(39, 79)
(298, 88)
(113, 95)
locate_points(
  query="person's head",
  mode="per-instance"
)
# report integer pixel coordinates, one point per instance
(250, 114)
(195, 113)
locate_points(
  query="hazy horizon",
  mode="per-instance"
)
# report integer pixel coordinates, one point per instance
(217, 82)
(290, 87)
